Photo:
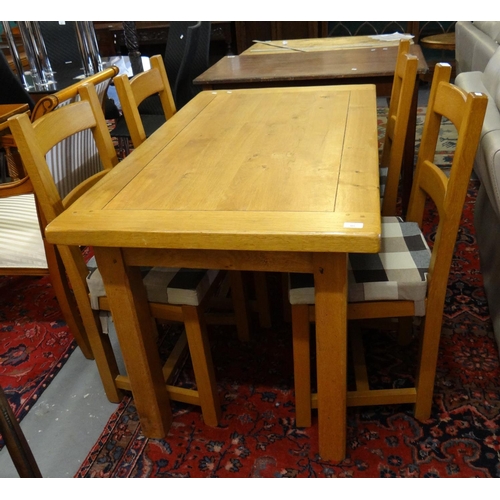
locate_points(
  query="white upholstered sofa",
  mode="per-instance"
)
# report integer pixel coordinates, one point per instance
(478, 70)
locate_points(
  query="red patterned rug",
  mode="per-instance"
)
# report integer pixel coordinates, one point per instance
(35, 341)
(257, 436)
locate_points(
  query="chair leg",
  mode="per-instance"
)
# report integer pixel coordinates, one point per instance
(240, 301)
(201, 358)
(428, 356)
(66, 300)
(262, 298)
(287, 311)
(15, 441)
(100, 343)
(301, 364)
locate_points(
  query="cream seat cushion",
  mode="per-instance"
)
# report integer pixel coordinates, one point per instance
(21, 242)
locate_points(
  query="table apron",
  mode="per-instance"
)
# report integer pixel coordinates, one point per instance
(242, 260)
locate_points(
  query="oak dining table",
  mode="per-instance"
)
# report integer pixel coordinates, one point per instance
(275, 179)
(322, 61)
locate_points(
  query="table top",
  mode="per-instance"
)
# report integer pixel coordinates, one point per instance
(307, 66)
(443, 41)
(275, 169)
(320, 44)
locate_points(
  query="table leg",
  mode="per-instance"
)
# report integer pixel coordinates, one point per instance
(136, 333)
(330, 283)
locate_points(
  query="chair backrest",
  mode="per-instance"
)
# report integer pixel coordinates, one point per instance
(195, 62)
(35, 139)
(403, 86)
(183, 83)
(175, 47)
(466, 112)
(133, 92)
(79, 151)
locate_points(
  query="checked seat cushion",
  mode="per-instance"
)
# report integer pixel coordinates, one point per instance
(397, 272)
(164, 285)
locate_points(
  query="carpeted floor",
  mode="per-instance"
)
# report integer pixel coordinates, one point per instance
(257, 436)
(34, 341)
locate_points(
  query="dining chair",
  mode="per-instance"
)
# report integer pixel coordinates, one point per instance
(23, 248)
(131, 94)
(179, 295)
(406, 278)
(391, 157)
(403, 85)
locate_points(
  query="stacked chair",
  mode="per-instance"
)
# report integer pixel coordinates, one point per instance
(175, 294)
(378, 287)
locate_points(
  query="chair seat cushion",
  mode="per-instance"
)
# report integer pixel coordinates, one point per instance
(164, 285)
(397, 272)
(21, 244)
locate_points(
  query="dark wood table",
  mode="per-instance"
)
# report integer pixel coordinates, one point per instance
(373, 63)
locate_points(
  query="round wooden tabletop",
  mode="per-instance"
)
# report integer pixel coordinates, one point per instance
(443, 41)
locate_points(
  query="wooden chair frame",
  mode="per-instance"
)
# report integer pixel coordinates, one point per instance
(397, 124)
(466, 111)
